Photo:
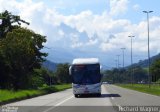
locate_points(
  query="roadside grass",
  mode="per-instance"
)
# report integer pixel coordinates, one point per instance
(55, 88)
(154, 89)
(7, 96)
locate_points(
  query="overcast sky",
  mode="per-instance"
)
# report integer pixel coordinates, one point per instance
(91, 28)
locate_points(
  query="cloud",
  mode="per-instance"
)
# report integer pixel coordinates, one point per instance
(136, 7)
(86, 30)
(61, 33)
(47, 21)
(92, 42)
(75, 40)
(118, 6)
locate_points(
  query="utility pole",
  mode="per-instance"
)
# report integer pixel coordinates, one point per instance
(123, 55)
(131, 36)
(149, 76)
(118, 60)
(116, 63)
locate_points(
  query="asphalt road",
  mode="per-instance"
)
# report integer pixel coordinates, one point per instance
(112, 99)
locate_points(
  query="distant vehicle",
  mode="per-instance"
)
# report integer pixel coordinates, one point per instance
(142, 82)
(86, 77)
(105, 83)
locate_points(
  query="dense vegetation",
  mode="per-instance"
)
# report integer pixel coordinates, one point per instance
(155, 67)
(124, 75)
(21, 57)
(133, 74)
(155, 70)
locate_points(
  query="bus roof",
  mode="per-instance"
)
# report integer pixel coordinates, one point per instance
(85, 61)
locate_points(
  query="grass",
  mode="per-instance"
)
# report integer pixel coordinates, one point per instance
(154, 89)
(6, 95)
(10, 95)
(60, 87)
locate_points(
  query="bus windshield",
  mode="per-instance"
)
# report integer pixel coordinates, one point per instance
(86, 74)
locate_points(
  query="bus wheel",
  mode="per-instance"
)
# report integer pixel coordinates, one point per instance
(98, 94)
(76, 95)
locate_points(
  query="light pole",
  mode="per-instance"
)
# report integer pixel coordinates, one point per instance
(116, 63)
(118, 60)
(131, 36)
(149, 77)
(123, 55)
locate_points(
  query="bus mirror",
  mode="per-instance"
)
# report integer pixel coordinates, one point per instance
(101, 67)
(70, 69)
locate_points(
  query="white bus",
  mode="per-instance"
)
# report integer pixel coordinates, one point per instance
(86, 77)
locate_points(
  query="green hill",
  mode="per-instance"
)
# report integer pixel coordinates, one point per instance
(50, 65)
(144, 63)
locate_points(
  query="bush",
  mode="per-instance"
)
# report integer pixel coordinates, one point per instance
(48, 89)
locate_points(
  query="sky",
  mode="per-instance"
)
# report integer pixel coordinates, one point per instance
(91, 28)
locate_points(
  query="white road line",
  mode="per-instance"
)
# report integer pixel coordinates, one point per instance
(63, 101)
(58, 104)
(104, 91)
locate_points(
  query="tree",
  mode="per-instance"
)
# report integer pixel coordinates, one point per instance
(21, 53)
(7, 20)
(124, 75)
(47, 76)
(139, 74)
(62, 73)
(155, 70)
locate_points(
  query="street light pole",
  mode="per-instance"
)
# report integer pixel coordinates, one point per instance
(123, 55)
(131, 60)
(149, 77)
(118, 60)
(116, 63)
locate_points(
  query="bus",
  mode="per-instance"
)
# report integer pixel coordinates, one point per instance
(86, 76)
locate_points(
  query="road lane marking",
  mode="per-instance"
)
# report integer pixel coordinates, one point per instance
(112, 98)
(63, 101)
(105, 91)
(49, 109)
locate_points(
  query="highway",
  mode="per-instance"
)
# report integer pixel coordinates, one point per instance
(64, 101)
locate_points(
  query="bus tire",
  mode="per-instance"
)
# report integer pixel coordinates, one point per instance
(76, 95)
(98, 94)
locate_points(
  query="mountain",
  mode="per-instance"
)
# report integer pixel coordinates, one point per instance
(144, 63)
(50, 65)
